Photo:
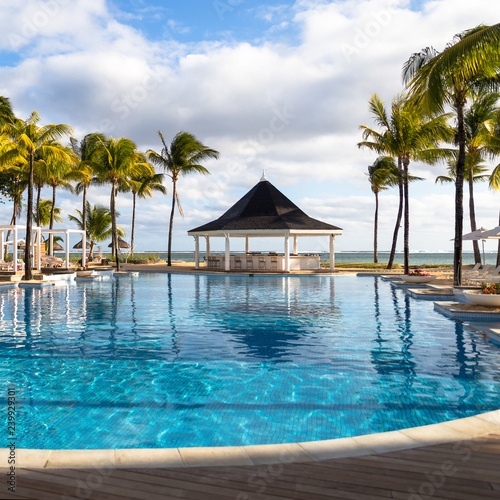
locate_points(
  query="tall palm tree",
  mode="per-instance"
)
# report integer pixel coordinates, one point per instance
(98, 225)
(117, 161)
(436, 79)
(57, 173)
(382, 174)
(84, 170)
(476, 117)
(143, 187)
(182, 157)
(30, 140)
(407, 134)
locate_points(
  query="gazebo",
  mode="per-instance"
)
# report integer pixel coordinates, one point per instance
(264, 212)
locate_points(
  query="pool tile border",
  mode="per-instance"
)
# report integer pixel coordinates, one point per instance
(311, 451)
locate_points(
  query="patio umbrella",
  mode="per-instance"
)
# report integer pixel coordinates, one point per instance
(121, 244)
(79, 245)
(57, 247)
(492, 233)
(478, 234)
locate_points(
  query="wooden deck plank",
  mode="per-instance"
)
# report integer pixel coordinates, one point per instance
(395, 475)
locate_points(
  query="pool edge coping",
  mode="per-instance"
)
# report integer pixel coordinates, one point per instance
(452, 431)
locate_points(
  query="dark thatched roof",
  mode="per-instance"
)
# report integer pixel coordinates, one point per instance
(264, 208)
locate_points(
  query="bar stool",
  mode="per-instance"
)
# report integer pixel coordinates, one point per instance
(249, 263)
(262, 264)
(274, 264)
(237, 263)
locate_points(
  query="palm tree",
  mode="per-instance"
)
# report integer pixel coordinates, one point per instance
(436, 79)
(143, 186)
(6, 113)
(382, 174)
(476, 118)
(98, 225)
(117, 161)
(57, 173)
(183, 157)
(84, 170)
(47, 213)
(30, 140)
(407, 134)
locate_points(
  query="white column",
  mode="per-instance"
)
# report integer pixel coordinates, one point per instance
(84, 248)
(14, 252)
(67, 250)
(332, 252)
(295, 244)
(39, 253)
(287, 254)
(207, 238)
(2, 239)
(51, 244)
(227, 265)
(247, 244)
(197, 252)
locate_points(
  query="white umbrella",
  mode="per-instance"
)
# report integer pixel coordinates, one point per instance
(492, 233)
(478, 234)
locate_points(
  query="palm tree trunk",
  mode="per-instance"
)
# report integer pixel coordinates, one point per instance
(51, 225)
(399, 216)
(459, 194)
(472, 215)
(114, 241)
(169, 250)
(29, 224)
(406, 162)
(375, 231)
(133, 225)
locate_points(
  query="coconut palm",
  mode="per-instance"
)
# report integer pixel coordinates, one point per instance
(476, 117)
(98, 225)
(47, 213)
(116, 161)
(6, 113)
(31, 140)
(182, 157)
(382, 174)
(436, 79)
(57, 173)
(84, 170)
(407, 134)
(143, 187)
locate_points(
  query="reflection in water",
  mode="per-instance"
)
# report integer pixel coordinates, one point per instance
(393, 354)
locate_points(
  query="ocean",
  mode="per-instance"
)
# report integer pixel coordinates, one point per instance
(416, 258)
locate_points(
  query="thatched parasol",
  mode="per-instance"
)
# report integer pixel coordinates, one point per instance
(79, 245)
(121, 244)
(57, 247)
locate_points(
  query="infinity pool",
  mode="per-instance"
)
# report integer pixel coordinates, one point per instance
(180, 360)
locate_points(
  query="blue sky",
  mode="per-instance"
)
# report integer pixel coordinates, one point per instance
(275, 85)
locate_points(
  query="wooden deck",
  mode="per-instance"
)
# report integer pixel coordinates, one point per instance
(468, 470)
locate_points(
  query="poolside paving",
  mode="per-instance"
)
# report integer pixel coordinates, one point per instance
(463, 470)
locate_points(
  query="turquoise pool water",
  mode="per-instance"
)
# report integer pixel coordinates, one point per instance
(179, 360)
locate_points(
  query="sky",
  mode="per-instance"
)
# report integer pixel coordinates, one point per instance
(272, 85)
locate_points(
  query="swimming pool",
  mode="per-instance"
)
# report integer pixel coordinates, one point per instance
(181, 360)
